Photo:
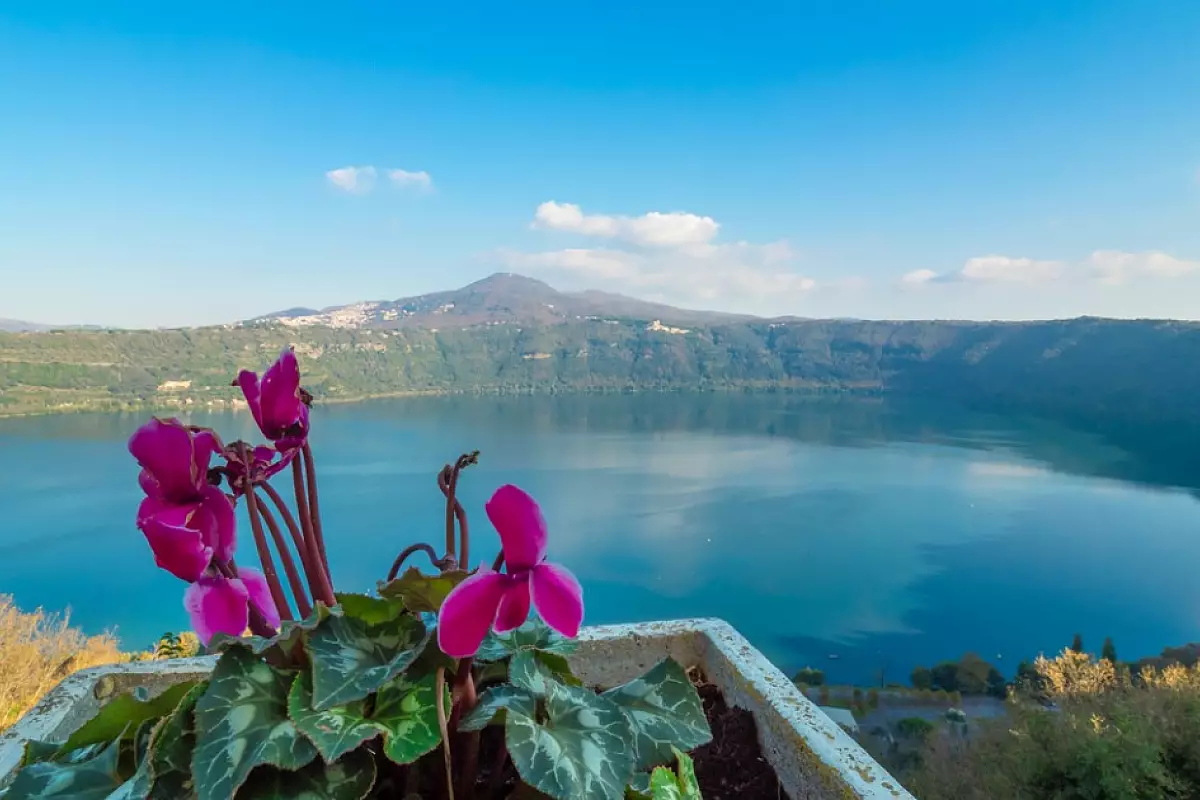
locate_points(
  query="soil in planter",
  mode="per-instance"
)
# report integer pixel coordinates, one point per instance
(730, 767)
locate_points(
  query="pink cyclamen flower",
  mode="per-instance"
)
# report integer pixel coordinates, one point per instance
(189, 523)
(186, 520)
(265, 462)
(277, 402)
(217, 604)
(501, 600)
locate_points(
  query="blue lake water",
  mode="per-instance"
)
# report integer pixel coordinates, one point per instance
(883, 534)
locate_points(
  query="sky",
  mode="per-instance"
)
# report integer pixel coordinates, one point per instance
(183, 164)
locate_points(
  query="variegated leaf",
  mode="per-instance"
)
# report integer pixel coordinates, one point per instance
(581, 752)
(241, 723)
(350, 778)
(665, 711)
(171, 748)
(125, 713)
(352, 659)
(93, 779)
(406, 712)
(421, 592)
(371, 610)
(289, 633)
(533, 635)
(335, 731)
(666, 784)
(495, 700)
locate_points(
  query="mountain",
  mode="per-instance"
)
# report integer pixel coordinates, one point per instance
(502, 298)
(17, 326)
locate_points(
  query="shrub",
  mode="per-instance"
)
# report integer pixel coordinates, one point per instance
(38, 650)
(809, 677)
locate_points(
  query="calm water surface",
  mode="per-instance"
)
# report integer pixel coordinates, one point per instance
(881, 534)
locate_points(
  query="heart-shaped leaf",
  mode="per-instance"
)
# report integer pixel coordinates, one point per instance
(335, 731)
(171, 748)
(421, 592)
(533, 635)
(581, 751)
(352, 659)
(350, 778)
(665, 711)
(125, 712)
(371, 610)
(495, 700)
(95, 778)
(406, 712)
(679, 785)
(242, 722)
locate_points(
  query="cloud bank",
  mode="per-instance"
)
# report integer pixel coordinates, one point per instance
(668, 256)
(361, 180)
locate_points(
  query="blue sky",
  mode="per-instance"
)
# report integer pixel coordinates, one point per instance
(189, 165)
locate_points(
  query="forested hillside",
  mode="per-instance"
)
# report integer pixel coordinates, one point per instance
(1089, 367)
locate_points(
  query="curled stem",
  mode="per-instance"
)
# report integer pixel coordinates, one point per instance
(289, 566)
(408, 551)
(448, 483)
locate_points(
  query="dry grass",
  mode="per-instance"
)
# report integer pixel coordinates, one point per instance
(38, 650)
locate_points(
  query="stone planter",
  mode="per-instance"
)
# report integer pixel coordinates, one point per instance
(813, 757)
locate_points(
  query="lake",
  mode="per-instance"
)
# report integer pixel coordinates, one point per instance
(850, 535)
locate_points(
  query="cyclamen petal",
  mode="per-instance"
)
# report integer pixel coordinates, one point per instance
(216, 521)
(177, 548)
(247, 381)
(518, 519)
(468, 612)
(514, 606)
(280, 394)
(260, 594)
(217, 605)
(558, 598)
(169, 453)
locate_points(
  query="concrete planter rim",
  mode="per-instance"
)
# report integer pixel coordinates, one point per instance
(811, 754)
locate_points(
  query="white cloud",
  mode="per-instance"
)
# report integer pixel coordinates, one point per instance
(420, 180)
(356, 180)
(1002, 269)
(1116, 267)
(919, 276)
(655, 229)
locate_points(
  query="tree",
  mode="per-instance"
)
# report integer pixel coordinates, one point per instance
(1109, 651)
(945, 676)
(922, 678)
(971, 675)
(1077, 643)
(809, 677)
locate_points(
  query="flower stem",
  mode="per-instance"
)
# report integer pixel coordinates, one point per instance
(440, 688)
(315, 509)
(408, 551)
(289, 565)
(319, 578)
(318, 584)
(264, 557)
(448, 483)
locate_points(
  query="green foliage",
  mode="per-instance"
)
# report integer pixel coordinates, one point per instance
(124, 713)
(970, 675)
(579, 752)
(350, 778)
(95, 778)
(666, 784)
(922, 678)
(809, 677)
(353, 658)
(1077, 643)
(335, 731)
(421, 592)
(242, 722)
(915, 728)
(533, 635)
(1109, 651)
(665, 713)
(406, 713)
